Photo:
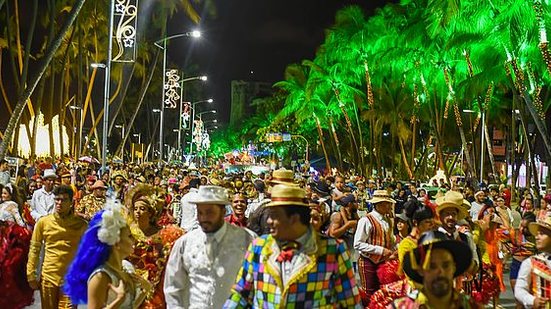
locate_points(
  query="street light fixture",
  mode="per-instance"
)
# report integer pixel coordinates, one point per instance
(98, 65)
(213, 111)
(156, 110)
(194, 34)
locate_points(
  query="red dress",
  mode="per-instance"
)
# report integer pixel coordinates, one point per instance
(14, 251)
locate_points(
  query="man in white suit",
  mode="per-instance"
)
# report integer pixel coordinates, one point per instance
(203, 263)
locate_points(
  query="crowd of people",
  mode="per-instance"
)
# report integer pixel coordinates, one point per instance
(152, 236)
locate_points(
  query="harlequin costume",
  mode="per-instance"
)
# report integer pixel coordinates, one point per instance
(317, 274)
(151, 253)
(323, 279)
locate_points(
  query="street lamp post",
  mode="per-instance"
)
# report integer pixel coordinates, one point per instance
(194, 34)
(121, 126)
(106, 94)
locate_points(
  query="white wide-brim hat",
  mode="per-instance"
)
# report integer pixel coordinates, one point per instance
(211, 195)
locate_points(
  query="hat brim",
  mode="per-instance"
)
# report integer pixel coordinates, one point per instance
(460, 251)
(462, 213)
(535, 226)
(98, 187)
(376, 200)
(49, 176)
(282, 182)
(215, 202)
(324, 193)
(286, 203)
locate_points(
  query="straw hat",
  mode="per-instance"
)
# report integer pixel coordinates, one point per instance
(283, 176)
(211, 195)
(453, 199)
(119, 173)
(381, 196)
(288, 195)
(535, 226)
(49, 173)
(99, 184)
(419, 257)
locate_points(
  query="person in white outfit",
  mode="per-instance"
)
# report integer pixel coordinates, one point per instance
(42, 203)
(188, 211)
(204, 262)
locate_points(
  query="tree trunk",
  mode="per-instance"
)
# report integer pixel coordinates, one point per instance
(405, 159)
(140, 101)
(490, 150)
(29, 89)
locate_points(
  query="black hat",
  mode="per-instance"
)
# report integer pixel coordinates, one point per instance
(350, 198)
(321, 188)
(414, 259)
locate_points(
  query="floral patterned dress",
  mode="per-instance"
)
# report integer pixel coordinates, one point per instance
(150, 257)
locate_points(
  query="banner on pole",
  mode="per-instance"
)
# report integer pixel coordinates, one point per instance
(124, 33)
(186, 115)
(172, 88)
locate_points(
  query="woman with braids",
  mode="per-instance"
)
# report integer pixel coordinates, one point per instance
(15, 240)
(99, 277)
(145, 204)
(421, 218)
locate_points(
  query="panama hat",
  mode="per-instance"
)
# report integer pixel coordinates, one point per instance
(211, 195)
(419, 257)
(381, 196)
(283, 176)
(544, 223)
(288, 195)
(453, 199)
(49, 173)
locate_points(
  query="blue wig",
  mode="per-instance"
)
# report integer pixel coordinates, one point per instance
(91, 254)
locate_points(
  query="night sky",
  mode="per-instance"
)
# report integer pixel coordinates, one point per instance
(254, 40)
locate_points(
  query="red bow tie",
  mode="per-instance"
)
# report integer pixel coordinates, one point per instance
(287, 251)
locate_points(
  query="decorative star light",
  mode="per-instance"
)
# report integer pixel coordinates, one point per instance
(128, 42)
(120, 8)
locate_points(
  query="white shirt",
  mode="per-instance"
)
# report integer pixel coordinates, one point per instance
(363, 231)
(287, 266)
(42, 204)
(196, 279)
(522, 287)
(475, 210)
(470, 242)
(5, 178)
(189, 211)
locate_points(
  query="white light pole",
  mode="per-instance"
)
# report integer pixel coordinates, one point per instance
(106, 94)
(194, 34)
(139, 136)
(121, 126)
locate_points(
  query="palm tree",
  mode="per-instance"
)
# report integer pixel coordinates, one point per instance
(33, 82)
